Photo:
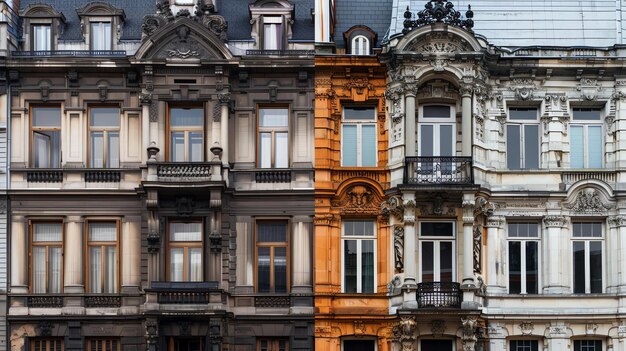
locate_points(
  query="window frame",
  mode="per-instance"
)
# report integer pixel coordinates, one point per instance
(47, 245)
(172, 339)
(360, 50)
(274, 343)
(33, 129)
(104, 131)
(352, 338)
(272, 246)
(586, 240)
(102, 245)
(436, 240)
(186, 130)
(576, 341)
(185, 245)
(47, 340)
(33, 36)
(436, 123)
(510, 344)
(585, 124)
(114, 343)
(273, 131)
(92, 33)
(537, 239)
(359, 127)
(279, 22)
(359, 239)
(522, 123)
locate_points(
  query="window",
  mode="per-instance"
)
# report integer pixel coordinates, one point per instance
(359, 256)
(42, 38)
(273, 149)
(104, 130)
(587, 345)
(185, 344)
(47, 261)
(586, 138)
(360, 45)
(522, 138)
(186, 126)
(524, 345)
(102, 257)
(101, 36)
(359, 345)
(523, 258)
(437, 249)
(108, 344)
(272, 33)
(358, 137)
(185, 251)
(46, 136)
(266, 344)
(435, 345)
(46, 344)
(587, 255)
(272, 247)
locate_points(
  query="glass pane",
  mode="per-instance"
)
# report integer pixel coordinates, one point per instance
(39, 270)
(110, 269)
(195, 147)
(587, 345)
(428, 259)
(55, 267)
(532, 267)
(47, 232)
(445, 261)
(359, 113)
(95, 269)
(41, 36)
(589, 114)
(186, 231)
(177, 145)
(427, 140)
(113, 150)
(595, 266)
(359, 228)
(523, 230)
(349, 145)
(523, 113)
(531, 146)
(587, 229)
(281, 150)
(368, 145)
(515, 267)
(194, 265)
(594, 146)
(436, 229)
(272, 232)
(46, 117)
(446, 141)
(577, 147)
(263, 267)
(524, 345)
(349, 265)
(513, 153)
(97, 149)
(273, 117)
(280, 269)
(186, 117)
(367, 266)
(265, 150)
(47, 149)
(176, 264)
(272, 36)
(102, 231)
(105, 117)
(579, 267)
(436, 111)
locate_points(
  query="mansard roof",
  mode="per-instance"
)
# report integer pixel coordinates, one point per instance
(374, 14)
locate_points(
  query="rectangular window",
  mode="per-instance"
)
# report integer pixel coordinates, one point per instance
(359, 256)
(272, 33)
(102, 257)
(359, 345)
(186, 128)
(358, 137)
(435, 345)
(185, 251)
(101, 36)
(267, 344)
(47, 259)
(437, 247)
(104, 131)
(46, 136)
(185, 344)
(587, 345)
(587, 257)
(46, 344)
(42, 38)
(522, 135)
(272, 247)
(273, 143)
(586, 138)
(523, 258)
(524, 345)
(107, 344)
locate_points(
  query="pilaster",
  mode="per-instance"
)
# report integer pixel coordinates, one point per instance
(555, 281)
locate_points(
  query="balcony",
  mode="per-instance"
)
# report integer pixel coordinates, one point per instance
(439, 295)
(186, 293)
(70, 53)
(290, 53)
(438, 170)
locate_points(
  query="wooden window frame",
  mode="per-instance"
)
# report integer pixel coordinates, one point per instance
(273, 131)
(33, 129)
(104, 131)
(186, 130)
(102, 245)
(359, 239)
(32, 35)
(47, 245)
(272, 245)
(114, 343)
(273, 344)
(185, 245)
(47, 340)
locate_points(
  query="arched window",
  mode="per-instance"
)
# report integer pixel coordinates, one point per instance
(360, 45)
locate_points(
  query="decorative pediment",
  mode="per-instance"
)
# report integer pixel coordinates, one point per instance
(589, 201)
(99, 8)
(41, 11)
(359, 199)
(438, 11)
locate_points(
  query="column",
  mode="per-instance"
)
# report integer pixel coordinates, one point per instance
(409, 127)
(554, 267)
(224, 101)
(468, 240)
(301, 255)
(618, 225)
(74, 281)
(466, 120)
(495, 274)
(130, 237)
(410, 252)
(19, 253)
(146, 101)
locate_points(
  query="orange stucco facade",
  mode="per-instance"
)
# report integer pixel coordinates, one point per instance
(354, 193)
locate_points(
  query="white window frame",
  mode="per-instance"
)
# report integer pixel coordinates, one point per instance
(364, 339)
(521, 123)
(587, 240)
(36, 41)
(585, 124)
(360, 45)
(278, 22)
(436, 123)
(359, 257)
(359, 136)
(92, 33)
(523, 257)
(436, 240)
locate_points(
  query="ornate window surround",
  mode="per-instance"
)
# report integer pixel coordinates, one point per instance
(41, 14)
(101, 12)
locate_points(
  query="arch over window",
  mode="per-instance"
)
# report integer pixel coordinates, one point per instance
(360, 45)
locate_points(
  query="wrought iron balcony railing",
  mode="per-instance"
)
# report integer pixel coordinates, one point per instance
(70, 53)
(432, 170)
(439, 294)
(183, 292)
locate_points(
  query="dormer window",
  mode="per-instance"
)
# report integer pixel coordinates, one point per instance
(42, 24)
(360, 45)
(100, 36)
(271, 23)
(359, 40)
(102, 25)
(272, 33)
(41, 37)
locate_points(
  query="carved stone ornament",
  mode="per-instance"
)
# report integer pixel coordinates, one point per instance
(359, 84)
(224, 98)
(393, 207)
(589, 201)
(590, 328)
(405, 331)
(359, 327)
(154, 242)
(359, 200)
(589, 88)
(145, 98)
(438, 327)
(152, 331)
(324, 219)
(523, 88)
(526, 328)
(469, 326)
(438, 11)
(398, 248)
(184, 206)
(554, 221)
(44, 328)
(616, 221)
(205, 14)
(184, 328)
(477, 248)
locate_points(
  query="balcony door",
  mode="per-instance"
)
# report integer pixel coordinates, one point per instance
(437, 246)
(436, 131)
